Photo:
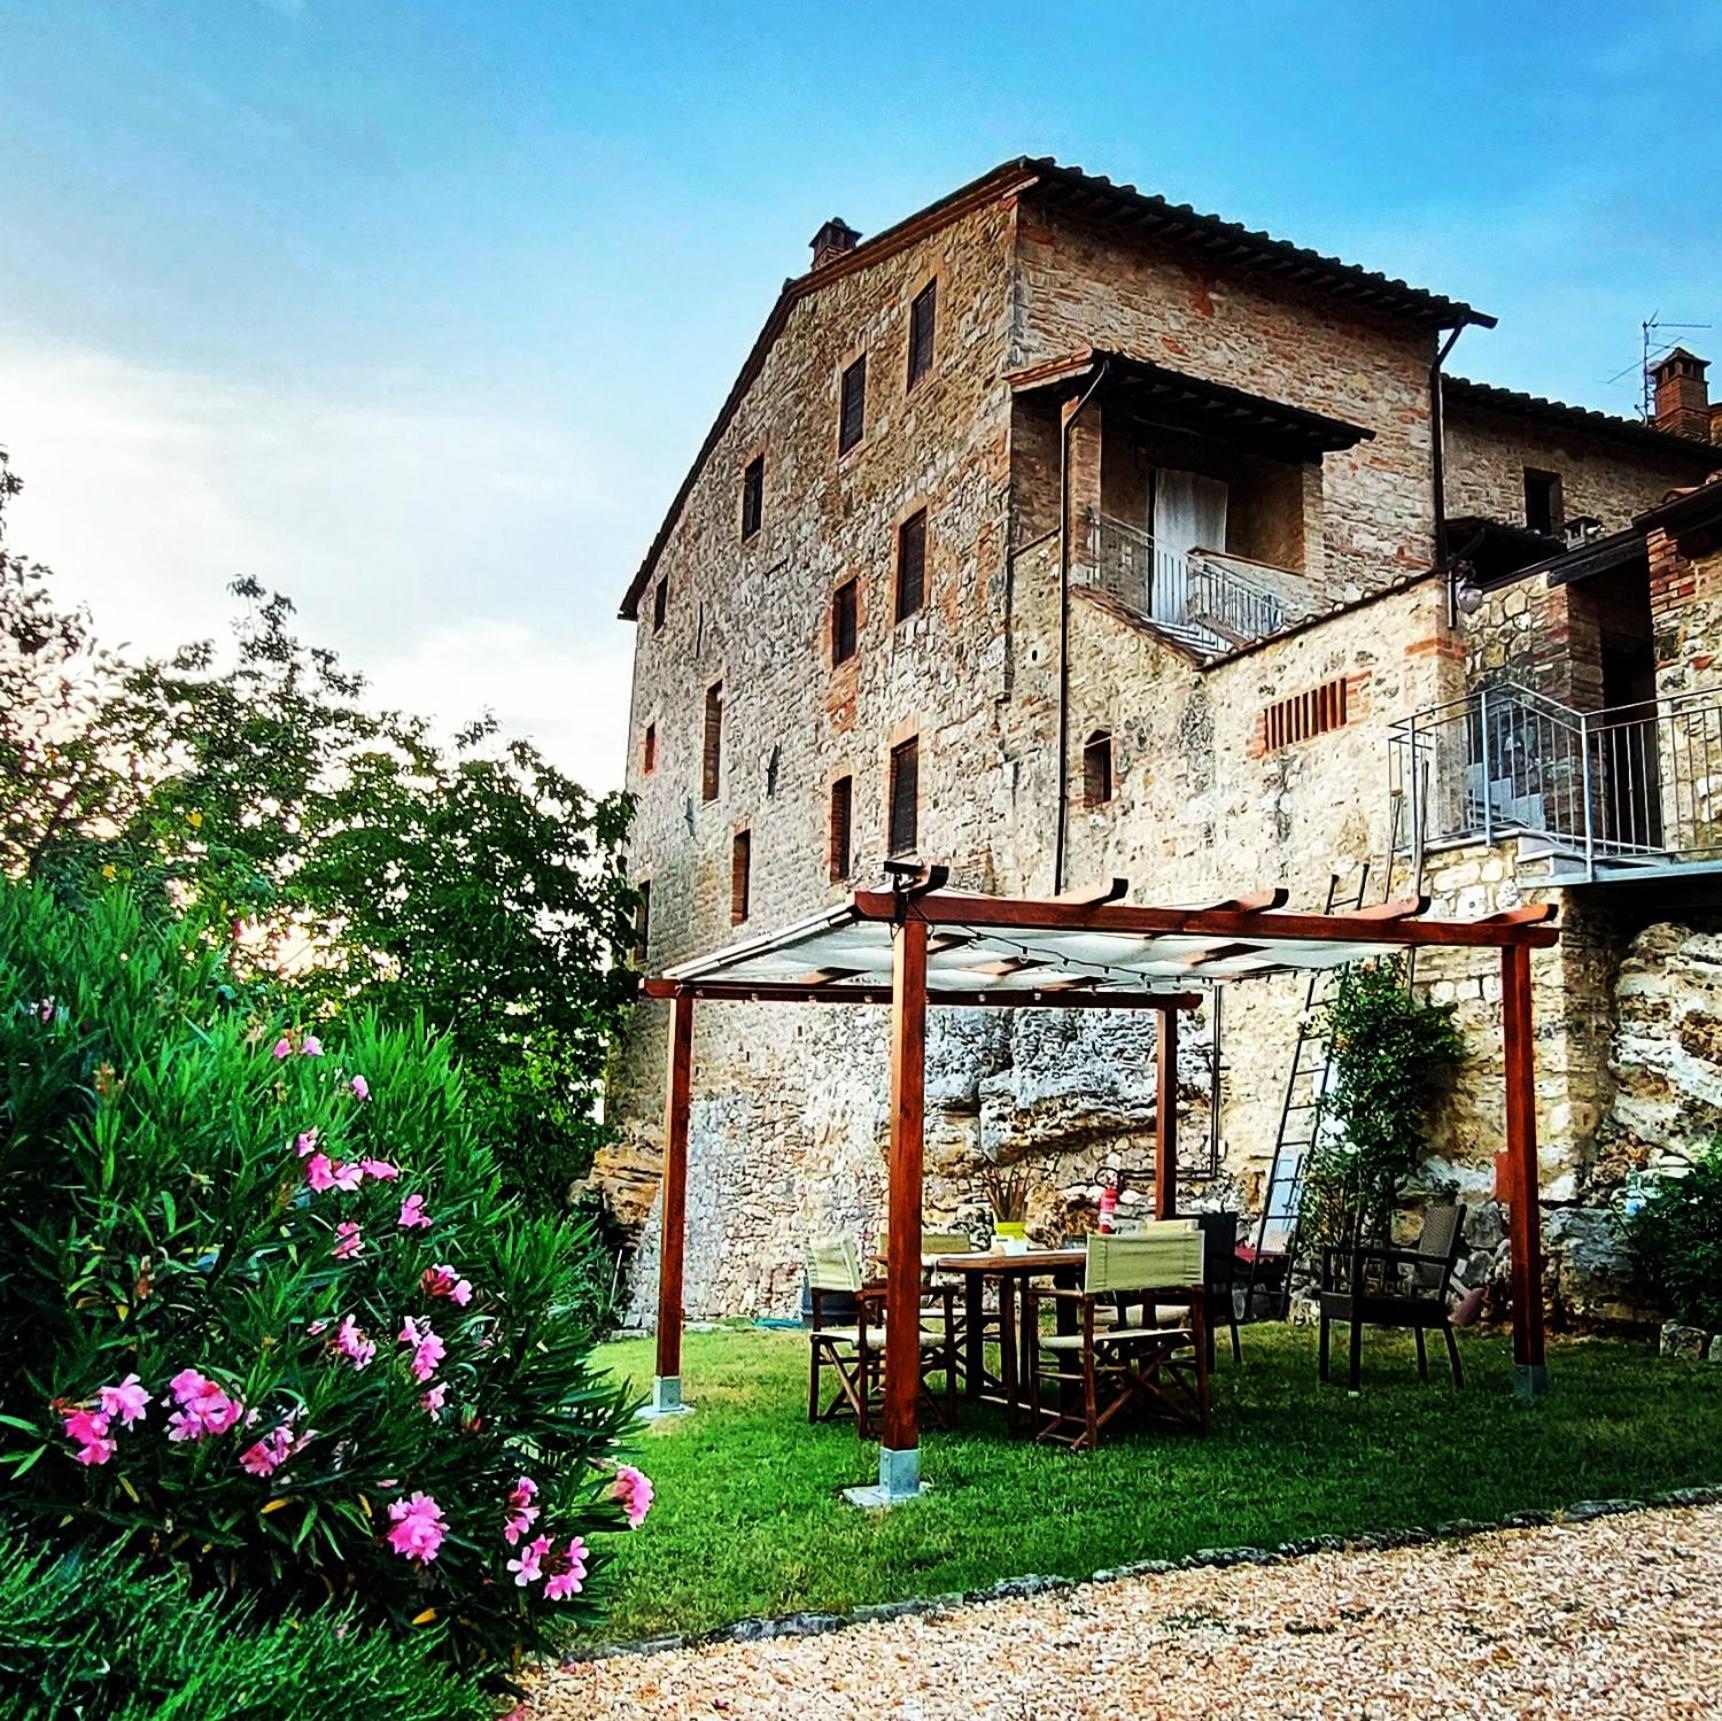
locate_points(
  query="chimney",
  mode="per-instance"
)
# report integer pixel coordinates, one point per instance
(837, 239)
(1682, 394)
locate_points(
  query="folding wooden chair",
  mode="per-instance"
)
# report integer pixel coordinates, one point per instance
(1099, 1372)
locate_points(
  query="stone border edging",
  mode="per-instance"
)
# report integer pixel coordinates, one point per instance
(761, 1628)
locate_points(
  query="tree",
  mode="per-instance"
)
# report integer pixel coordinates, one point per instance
(354, 858)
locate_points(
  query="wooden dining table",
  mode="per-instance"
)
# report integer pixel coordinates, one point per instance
(1012, 1386)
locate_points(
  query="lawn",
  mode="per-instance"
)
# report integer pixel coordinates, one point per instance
(748, 1518)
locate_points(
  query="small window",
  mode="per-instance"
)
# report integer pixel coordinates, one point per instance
(852, 414)
(911, 564)
(660, 604)
(1305, 715)
(740, 859)
(711, 765)
(649, 751)
(842, 813)
(642, 921)
(905, 795)
(1543, 502)
(753, 496)
(1097, 769)
(921, 316)
(843, 621)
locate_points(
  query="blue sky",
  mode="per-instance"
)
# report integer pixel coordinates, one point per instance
(417, 312)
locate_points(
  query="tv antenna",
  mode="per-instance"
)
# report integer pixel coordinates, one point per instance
(1654, 346)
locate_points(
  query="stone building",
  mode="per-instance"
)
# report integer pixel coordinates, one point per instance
(1059, 533)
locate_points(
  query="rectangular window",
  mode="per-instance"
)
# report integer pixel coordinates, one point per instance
(911, 564)
(660, 604)
(1543, 502)
(852, 415)
(1097, 769)
(649, 751)
(905, 795)
(843, 622)
(711, 763)
(921, 315)
(642, 921)
(753, 496)
(740, 859)
(842, 813)
(1305, 715)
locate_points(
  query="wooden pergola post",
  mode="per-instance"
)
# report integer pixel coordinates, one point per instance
(899, 1450)
(1166, 1116)
(667, 1381)
(1530, 1355)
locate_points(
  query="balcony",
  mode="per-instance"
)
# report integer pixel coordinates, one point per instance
(1631, 791)
(1209, 603)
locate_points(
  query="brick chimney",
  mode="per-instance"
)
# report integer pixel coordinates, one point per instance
(837, 239)
(1682, 394)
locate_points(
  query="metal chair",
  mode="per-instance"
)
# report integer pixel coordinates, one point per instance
(1098, 1371)
(1386, 1287)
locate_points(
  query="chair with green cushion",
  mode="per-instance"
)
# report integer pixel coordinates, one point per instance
(1098, 1372)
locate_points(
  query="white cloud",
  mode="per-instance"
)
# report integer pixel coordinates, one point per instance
(434, 545)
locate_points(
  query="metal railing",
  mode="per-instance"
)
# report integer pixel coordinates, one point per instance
(1185, 592)
(1640, 782)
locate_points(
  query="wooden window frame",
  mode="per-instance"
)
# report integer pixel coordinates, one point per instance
(1553, 489)
(753, 496)
(905, 753)
(928, 294)
(856, 367)
(845, 605)
(740, 876)
(904, 526)
(711, 754)
(1099, 784)
(649, 750)
(840, 828)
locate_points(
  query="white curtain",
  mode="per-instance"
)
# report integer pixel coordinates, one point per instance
(1189, 512)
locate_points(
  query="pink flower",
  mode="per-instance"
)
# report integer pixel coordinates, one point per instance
(413, 1214)
(128, 1401)
(283, 1048)
(569, 1575)
(528, 1568)
(361, 1088)
(306, 1143)
(320, 1173)
(441, 1281)
(524, 1514)
(312, 1048)
(634, 1490)
(418, 1528)
(380, 1169)
(89, 1429)
(428, 1349)
(353, 1345)
(432, 1402)
(523, 1493)
(347, 1177)
(272, 1451)
(349, 1240)
(203, 1407)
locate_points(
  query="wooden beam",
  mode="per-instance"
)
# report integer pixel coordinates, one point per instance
(903, 1257)
(1253, 901)
(1524, 1218)
(1401, 908)
(675, 1194)
(1112, 891)
(1053, 994)
(1527, 914)
(1364, 927)
(1166, 1118)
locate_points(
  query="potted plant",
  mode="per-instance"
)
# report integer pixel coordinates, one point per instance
(1007, 1191)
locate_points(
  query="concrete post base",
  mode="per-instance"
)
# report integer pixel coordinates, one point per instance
(899, 1480)
(666, 1399)
(1530, 1381)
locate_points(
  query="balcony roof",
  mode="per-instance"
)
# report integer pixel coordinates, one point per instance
(1173, 400)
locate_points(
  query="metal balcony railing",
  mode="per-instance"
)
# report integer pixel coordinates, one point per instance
(1632, 784)
(1195, 596)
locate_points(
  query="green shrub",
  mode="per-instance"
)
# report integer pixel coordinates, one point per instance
(158, 1219)
(1675, 1230)
(100, 1637)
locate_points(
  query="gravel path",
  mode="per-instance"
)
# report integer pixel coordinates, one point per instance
(1615, 1617)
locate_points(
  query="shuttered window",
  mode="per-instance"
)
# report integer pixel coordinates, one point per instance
(911, 564)
(843, 621)
(740, 861)
(1305, 715)
(852, 413)
(711, 763)
(753, 496)
(921, 316)
(842, 815)
(905, 796)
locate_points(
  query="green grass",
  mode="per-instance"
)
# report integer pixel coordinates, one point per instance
(748, 1518)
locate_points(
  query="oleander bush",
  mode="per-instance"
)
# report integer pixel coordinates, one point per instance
(265, 1313)
(105, 1637)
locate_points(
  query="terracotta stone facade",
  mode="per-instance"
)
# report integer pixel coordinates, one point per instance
(1205, 795)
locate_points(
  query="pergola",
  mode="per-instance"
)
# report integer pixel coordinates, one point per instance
(918, 943)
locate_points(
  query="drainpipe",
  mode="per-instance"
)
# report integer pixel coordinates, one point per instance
(1438, 467)
(1059, 840)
